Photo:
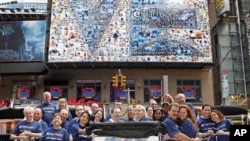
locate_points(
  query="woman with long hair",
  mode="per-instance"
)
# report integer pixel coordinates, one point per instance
(189, 124)
(79, 129)
(222, 125)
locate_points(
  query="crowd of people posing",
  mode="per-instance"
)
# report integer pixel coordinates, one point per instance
(49, 122)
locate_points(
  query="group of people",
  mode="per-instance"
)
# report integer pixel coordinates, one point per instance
(48, 121)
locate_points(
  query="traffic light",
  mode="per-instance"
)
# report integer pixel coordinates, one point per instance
(133, 102)
(123, 81)
(115, 81)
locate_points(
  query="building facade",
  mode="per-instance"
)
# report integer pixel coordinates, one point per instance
(160, 49)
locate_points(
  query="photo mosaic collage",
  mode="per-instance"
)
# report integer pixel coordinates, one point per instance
(130, 31)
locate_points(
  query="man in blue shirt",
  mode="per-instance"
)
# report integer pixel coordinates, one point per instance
(27, 129)
(173, 129)
(181, 99)
(38, 117)
(47, 107)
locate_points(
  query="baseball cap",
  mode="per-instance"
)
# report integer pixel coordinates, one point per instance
(165, 103)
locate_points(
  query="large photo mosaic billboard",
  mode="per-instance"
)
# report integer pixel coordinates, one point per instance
(130, 31)
(22, 41)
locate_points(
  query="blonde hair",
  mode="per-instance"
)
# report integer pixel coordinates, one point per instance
(167, 96)
(63, 100)
(142, 108)
(28, 109)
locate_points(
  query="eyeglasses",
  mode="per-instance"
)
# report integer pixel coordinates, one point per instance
(79, 109)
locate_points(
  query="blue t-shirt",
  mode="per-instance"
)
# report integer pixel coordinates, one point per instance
(44, 125)
(172, 127)
(78, 137)
(70, 117)
(205, 125)
(145, 119)
(224, 126)
(64, 124)
(34, 127)
(70, 127)
(52, 134)
(48, 111)
(187, 127)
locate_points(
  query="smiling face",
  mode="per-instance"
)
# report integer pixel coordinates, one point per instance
(57, 120)
(215, 117)
(158, 115)
(84, 119)
(183, 113)
(98, 116)
(206, 112)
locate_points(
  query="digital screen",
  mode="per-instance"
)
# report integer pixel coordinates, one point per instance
(23, 6)
(22, 41)
(130, 31)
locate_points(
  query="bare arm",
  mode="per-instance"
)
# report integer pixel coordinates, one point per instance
(183, 137)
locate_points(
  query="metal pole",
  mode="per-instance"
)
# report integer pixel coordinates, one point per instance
(241, 46)
(128, 96)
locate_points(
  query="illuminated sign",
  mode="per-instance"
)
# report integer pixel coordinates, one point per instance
(222, 6)
(121, 94)
(56, 91)
(189, 92)
(88, 92)
(130, 31)
(155, 91)
(23, 6)
(23, 93)
(22, 41)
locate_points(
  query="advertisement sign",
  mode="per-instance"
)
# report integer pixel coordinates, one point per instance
(56, 91)
(224, 84)
(23, 6)
(189, 92)
(155, 91)
(88, 92)
(130, 31)
(23, 93)
(121, 94)
(222, 6)
(22, 41)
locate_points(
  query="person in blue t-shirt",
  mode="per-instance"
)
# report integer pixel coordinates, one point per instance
(48, 108)
(141, 114)
(189, 124)
(173, 128)
(79, 129)
(56, 132)
(206, 125)
(222, 125)
(181, 99)
(38, 117)
(28, 128)
(64, 115)
(78, 111)
(62, 104)
(117, 104)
